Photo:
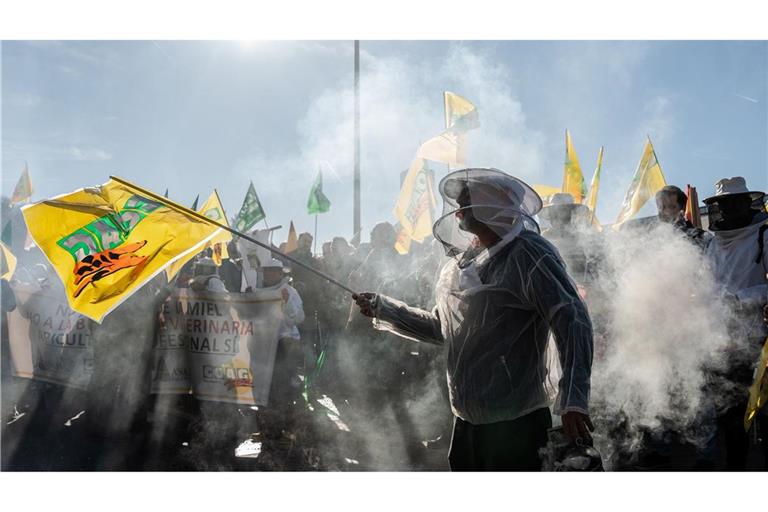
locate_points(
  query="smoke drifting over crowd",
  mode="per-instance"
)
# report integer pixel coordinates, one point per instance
(77, 394)
(665, 328)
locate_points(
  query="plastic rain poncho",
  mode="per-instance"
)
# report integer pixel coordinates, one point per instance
(495, 307)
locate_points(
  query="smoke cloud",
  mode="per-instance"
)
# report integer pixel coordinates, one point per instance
(662, 328)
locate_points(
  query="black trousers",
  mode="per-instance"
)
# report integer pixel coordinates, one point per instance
(504, 446)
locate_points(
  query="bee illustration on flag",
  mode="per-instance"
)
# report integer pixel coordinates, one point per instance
(106, 242)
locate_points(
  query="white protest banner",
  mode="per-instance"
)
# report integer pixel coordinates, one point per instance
(48, 341)
(170, 367)
(221, 345)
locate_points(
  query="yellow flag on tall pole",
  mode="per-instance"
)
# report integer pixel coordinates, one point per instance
(106, 242)
(8, 265)
(460, 114)
(573, 179)
(415, 205)
(648, 180)
(23, 190)
(595, 184)
(212, 209)
(293, 240)
(447, 147)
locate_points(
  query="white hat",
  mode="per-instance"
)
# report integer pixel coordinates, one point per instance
(731, 187)
(273, 263)
(561, 201)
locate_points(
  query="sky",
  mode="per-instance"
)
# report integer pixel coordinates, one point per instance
(192, 116)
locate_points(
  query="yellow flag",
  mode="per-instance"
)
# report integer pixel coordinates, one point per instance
(595, 185)
(648, 180)
(212, 209)
(415, 204)
(758, 391)
(8, 263)
(403, 242)
(460, 114)
(447, 147)
(293, 240)
(106, 242)
(23, 190)
(546, 191)
(573, 179)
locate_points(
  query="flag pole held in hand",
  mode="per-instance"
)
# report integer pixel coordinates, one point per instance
(192, 213)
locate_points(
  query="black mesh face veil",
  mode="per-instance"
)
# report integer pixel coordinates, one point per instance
(489, 196)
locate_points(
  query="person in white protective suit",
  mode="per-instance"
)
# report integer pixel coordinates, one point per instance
(739, 261)
(497, 298)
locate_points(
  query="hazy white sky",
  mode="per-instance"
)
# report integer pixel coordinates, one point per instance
(191, 116)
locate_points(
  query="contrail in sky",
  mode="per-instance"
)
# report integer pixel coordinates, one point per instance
(753, 100)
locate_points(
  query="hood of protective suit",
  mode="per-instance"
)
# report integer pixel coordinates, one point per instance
(502, 202)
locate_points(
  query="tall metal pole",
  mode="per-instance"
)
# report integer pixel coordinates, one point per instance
(356, 225)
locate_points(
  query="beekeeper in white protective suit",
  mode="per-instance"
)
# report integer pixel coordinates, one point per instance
(497, 298)
(739, 260)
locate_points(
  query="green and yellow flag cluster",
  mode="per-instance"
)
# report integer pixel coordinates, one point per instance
(106, 242)
(648, 180)
(573, 180)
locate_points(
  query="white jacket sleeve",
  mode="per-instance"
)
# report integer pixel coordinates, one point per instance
(406, 321)
(293, 310)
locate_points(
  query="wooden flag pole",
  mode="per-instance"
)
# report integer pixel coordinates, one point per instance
(192, 213)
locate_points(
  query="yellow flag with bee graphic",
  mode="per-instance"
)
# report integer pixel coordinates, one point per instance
(106, 242)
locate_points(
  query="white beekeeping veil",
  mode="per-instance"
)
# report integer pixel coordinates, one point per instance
(490, 196)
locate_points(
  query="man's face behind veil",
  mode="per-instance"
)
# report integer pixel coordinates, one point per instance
(467, 221)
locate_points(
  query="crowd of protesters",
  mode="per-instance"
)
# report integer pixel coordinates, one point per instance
(330, 359)
(126, 427)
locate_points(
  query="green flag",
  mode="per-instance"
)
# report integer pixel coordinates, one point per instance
(317, 202)
(251, 212)
(194, 205)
